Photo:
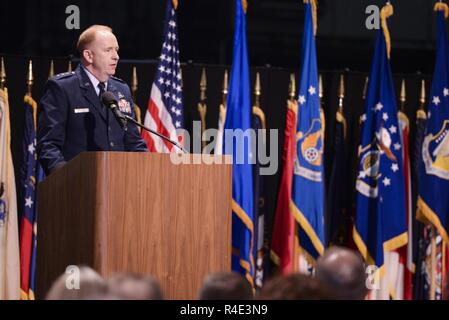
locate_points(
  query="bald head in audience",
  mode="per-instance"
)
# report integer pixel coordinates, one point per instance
(67, 287)
(129, 286)
(342, 270)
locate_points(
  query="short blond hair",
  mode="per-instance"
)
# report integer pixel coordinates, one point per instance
(88, 36)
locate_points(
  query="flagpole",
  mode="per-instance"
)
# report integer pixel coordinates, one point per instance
(257, 90)
(134, 84)
(422, 98)
(341, 98)
(202, 107)
(322, 115)
(2, 74)
(292, 88)
(402, 97)
(432, 263)
(51, 72)
(341, 93)
(134, 87)
(30, 78)
(224, 91)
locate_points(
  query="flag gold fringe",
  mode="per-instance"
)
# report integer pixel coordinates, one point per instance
(175, 4)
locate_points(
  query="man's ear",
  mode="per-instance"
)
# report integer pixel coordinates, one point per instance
(88, 55)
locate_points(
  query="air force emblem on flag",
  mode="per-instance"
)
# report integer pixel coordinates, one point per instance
(435, 152)
(368, 178)
(310, 152)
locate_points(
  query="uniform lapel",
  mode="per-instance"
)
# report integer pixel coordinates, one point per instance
(89, 91)
(112, 88)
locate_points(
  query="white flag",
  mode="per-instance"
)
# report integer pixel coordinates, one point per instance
(9, 235)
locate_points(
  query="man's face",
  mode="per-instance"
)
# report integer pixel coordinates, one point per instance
(103, 55)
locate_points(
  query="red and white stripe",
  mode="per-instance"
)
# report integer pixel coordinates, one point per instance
(159, 119)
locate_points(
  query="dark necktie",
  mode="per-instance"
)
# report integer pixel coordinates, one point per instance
(101, 86)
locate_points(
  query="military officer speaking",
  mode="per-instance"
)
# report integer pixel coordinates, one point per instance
(72, 117)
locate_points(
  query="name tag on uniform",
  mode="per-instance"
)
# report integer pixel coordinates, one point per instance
(82, 110)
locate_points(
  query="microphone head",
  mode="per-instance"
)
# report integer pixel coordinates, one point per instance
(108, 98)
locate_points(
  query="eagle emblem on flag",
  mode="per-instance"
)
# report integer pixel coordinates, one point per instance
(435, 152)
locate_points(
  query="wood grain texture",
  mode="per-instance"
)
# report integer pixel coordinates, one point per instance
(142, 214)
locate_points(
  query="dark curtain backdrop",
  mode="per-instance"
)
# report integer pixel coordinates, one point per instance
(274, 28)
(274, 82)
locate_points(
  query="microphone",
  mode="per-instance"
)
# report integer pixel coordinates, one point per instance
(109, 100)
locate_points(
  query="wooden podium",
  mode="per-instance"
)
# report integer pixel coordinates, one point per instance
(136, 212)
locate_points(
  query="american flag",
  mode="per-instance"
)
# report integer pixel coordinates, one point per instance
(165, 113)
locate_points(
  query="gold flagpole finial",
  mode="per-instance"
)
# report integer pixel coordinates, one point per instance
(202, 107)
(203, 86)
(341, 93)
(225, 87)
(403, 96)
(30, 77)
(175, 4)
(51, 73)
(292, 87)
(403, 92)
(341, 90)
(2, 74)
(422, 97)
(320, 87)
(69, 68)
(257, 89)
(134, 82)
(365, 88)
(341, 96)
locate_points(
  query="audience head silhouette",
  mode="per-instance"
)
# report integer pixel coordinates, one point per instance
(77, 285)
(342, 270)
(225, 286)
(130, 286)
(295, 287)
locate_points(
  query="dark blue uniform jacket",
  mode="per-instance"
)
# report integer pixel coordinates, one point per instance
(72, 119)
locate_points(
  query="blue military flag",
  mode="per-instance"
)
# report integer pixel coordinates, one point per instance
(380, 220)
(31, 175)
(338, 197)
(433, 200)
(238, 118)
(307, 205)
(422, 240)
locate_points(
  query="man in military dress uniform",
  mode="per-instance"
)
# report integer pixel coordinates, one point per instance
(72, 117)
